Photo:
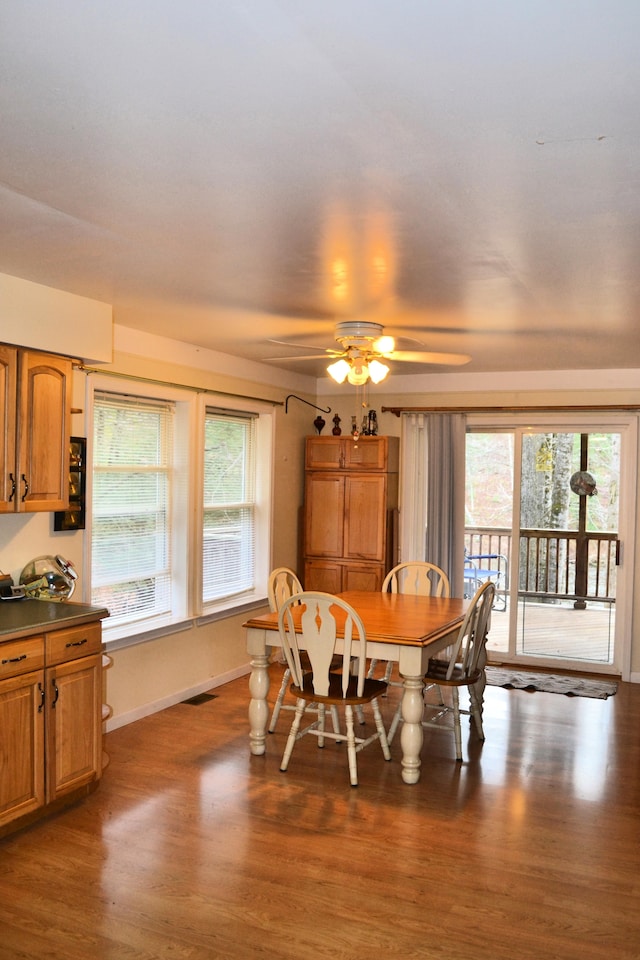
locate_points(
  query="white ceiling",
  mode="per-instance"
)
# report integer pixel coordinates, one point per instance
(226, 172)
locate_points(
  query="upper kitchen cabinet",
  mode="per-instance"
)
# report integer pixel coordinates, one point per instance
(35, 414)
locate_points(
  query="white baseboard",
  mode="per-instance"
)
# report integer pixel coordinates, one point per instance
(634, 678)
(157, 705)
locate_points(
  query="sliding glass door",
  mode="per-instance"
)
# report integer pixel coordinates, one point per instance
(548, 508)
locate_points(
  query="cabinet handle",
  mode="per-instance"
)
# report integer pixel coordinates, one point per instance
(76, 643)
(13, 487)
(26, 487)
(22, 656)
(41, 689)
(56, 693)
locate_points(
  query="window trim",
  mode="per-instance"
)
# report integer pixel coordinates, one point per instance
(187, 546)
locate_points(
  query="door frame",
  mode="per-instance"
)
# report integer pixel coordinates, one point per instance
(626, 424)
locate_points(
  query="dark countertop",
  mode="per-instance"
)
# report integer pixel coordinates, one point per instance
(19, 618)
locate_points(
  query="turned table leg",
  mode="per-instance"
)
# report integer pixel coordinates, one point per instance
(411, 735)
(258, 706)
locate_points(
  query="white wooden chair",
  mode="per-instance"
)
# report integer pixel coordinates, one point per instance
(464, 667)
(418, 577)
(282, 584)
(317, 624)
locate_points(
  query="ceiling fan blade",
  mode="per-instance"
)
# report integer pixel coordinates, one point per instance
(421, 356)
(305, 346)
(325, 355)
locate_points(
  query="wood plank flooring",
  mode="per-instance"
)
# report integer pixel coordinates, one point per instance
(192, 848)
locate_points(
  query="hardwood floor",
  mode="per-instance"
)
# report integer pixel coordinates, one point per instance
(192, 848)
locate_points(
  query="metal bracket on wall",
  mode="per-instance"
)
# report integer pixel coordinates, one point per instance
(308, 402)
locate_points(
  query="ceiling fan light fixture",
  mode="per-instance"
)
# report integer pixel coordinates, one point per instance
(359, 372)
(339, 370)
(377, 370)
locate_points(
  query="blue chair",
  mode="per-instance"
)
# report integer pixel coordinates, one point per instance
(480, 568)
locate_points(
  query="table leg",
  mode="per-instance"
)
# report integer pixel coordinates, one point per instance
(411, 735)
(258, 706)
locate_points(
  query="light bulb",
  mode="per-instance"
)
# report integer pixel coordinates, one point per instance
(339, 370)
(384, 345)
(377, 370)
(359, 372)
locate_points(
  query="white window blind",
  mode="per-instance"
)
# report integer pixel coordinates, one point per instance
(229, 505)
(131, 504)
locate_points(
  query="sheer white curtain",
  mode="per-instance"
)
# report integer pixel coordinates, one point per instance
(432, 498)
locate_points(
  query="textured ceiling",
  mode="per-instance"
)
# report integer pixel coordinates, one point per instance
(230, 173)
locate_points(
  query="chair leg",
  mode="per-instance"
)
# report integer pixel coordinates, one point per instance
(388, 670)
(384, 743)
(476, 711)
(293, 734)
(455, 698)
(277, 707)
(351, 746)
(321, 723)
(394, 723)
(335, 718)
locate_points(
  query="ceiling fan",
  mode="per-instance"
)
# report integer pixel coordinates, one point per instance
(364, 347)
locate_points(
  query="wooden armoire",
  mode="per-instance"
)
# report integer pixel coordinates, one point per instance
(351, 500)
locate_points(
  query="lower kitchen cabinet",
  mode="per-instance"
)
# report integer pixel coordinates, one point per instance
(50, 722)
(22, 768)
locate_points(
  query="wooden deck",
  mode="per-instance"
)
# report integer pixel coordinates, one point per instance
(558, 632)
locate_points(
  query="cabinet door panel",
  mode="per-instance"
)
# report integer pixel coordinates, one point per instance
(44, 427)
(323, 575)
(369, 453)
(365, 517)
(362, 576)
(324, 522)
(74, 731)
(324, 453)
(21, 746)
(8, 386)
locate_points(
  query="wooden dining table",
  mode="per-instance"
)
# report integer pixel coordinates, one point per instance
(401, 627)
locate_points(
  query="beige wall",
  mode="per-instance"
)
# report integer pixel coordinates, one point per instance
(32, 315)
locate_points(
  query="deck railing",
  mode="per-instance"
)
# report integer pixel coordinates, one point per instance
(558, 564)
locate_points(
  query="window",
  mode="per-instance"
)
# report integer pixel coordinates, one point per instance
(131, 534)
(229, 508)
(180, 506)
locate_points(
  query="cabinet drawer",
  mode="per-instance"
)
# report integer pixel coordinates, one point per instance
(70, 644)
(21, 656)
